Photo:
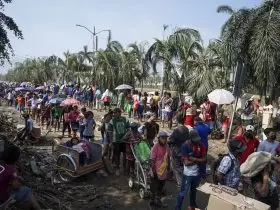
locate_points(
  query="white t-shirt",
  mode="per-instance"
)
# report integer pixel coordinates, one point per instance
(9, 97)
(192, 170)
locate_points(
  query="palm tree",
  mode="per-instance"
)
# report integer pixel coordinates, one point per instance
(140, 53)
(251, 36)
(166, 51)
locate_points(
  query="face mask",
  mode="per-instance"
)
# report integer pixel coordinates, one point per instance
(249, 135)
(272, 137)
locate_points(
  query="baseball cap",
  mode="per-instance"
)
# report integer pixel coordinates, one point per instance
(250, 128)
(235, 145)
(194, 136)
(163, 134)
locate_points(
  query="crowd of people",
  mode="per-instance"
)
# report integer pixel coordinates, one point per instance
(181, 151)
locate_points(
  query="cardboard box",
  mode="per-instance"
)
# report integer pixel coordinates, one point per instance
(219, 199)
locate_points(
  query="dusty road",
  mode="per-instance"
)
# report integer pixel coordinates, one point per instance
(115, 190)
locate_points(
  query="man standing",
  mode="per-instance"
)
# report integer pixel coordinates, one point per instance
(203, 131)
(250, 141)
(117, 129)
(179, 136)
(229, 169)
(193, 154)
(121, 101)
(270, 144)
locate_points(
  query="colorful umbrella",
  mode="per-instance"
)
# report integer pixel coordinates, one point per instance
(56, 100)
(19, 88)
(69, 102)
(40, 88)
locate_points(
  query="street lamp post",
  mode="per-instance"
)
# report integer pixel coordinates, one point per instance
(94, 35)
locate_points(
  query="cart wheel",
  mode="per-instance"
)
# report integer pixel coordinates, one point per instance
(130, 183)
(64, 163)
(142, 193)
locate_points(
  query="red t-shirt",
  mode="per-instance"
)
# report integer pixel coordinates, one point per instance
(252, 145)
(8, 174)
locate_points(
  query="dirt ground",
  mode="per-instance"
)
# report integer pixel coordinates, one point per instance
(93, 191)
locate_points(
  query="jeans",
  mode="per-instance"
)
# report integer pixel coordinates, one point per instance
(81, 131)
(188, 183)
(177, 168)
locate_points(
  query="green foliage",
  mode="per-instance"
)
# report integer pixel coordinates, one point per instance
(251, 36)
(7, 22)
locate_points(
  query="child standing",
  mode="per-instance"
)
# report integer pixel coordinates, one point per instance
(89, 126)
(131, 137)
(160, 156)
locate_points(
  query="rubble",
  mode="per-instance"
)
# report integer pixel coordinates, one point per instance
(37, 167)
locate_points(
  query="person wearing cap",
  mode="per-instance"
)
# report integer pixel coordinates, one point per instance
(131, 137)
(160, 167)
(248, 138)
(193, 155)
(117, 128)
(258, 168)
(229, 169)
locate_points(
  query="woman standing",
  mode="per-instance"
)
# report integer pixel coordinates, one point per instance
(73, 119)
(106, 98)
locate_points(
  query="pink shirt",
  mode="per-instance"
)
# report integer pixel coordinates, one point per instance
(160, 157)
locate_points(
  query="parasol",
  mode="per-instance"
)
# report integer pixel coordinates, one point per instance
(221, 96)
(56, 100)
(124, 87)
(40, 88)
(69, 101)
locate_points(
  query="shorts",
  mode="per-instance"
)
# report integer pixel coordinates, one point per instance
(22, 194)
(119, 148)
(106, 103)
(169, 115)
(105, 140)
(74, 125)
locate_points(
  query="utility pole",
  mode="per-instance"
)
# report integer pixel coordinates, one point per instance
(163, 72)
(94, 35)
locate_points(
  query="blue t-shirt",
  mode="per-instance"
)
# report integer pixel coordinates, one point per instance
(266, 146)
(203, 130)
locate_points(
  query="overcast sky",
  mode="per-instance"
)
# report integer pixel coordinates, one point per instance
(49, 26)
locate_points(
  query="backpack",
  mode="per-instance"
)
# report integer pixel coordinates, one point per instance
(174, 105)
(217, 163)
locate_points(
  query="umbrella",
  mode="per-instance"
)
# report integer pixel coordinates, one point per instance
(24, 89)
(23, 84)
(221, 96)
(123, 87)
(19, 88)
(69, 102)
(56, 100)
(40, 88)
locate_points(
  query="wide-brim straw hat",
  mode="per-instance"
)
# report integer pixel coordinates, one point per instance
(255, 163)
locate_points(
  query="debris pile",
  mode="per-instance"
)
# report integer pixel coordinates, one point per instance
(7, 124)
(37, 167)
